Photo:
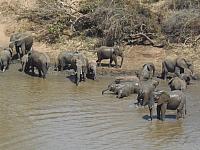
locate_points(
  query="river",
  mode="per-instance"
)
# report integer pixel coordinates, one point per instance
(55, 114)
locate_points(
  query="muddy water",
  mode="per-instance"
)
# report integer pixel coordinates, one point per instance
(54, 114)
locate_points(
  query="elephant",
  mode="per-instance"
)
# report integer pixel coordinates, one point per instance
(111, 53)
(92, 70)
(177, 83)
(39, 60)
(5, 58)
(64, 60)
(147, 71)
(79, 63)
(176, 66)
(25, 63)
(173, 100)
(22, 42)
(145, 94)
(123, 89)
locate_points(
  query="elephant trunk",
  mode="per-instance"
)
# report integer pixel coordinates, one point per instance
(104, 91)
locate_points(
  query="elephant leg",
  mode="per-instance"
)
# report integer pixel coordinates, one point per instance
(44, 71)
(119, 94)
(77, 78)
(158, 111)
(163, 110)
(177, 71)
(40, 72)
(110, 63)
(151, 112)
(115, 60)
(99, 62)
(164, 71)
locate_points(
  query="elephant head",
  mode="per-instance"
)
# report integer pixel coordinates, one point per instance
(111, 87)
(118, 52)
(161, 97)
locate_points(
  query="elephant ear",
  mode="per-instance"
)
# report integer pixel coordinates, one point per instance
(18, 42)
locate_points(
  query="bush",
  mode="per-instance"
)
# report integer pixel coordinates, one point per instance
(181, 25)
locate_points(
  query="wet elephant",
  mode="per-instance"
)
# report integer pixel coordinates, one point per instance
(174, 100)
(5, 58)
(177, 83)
(79, 63)
(147, 71)
(40, 61)
(176, 66)
(145, 95)
(92, 70)
(123, 89)
(111, 53)
(25, 64)
(22, 42)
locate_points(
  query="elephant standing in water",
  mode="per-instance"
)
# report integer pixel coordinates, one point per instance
(22, 42)
(80, 66)
(64, 60)
(5, 58)
(145, 95)
(111, 53)
(39, 60)
(92, 70)
(176, 66)
(174, 100)
(147, 71)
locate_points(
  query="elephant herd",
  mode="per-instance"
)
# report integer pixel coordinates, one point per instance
(145, 87)
(20, 47)
(142, 83)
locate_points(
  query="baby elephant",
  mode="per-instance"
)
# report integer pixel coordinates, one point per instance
(177, 83)
(123, 89)
(92, 70)
(5, 58)
(174, 100)
(147, 71)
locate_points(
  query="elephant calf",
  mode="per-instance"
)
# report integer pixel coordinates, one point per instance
(177, 83)
(174, 100)
(92, 70)
(39, 60)
(122, 89)
(5, 58)
(147, 71)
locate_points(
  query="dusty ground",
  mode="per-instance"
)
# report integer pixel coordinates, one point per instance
(135, 56)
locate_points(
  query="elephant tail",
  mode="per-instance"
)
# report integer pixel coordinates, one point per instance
(185, 108)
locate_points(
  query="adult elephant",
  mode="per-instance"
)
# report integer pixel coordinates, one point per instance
(64, 60)
(174, 100)
(79, 63)
(5, 58)
(40, 61)
(145, 95)
(147, 71)
(111, 53)
(22, 42)
(176, 66)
